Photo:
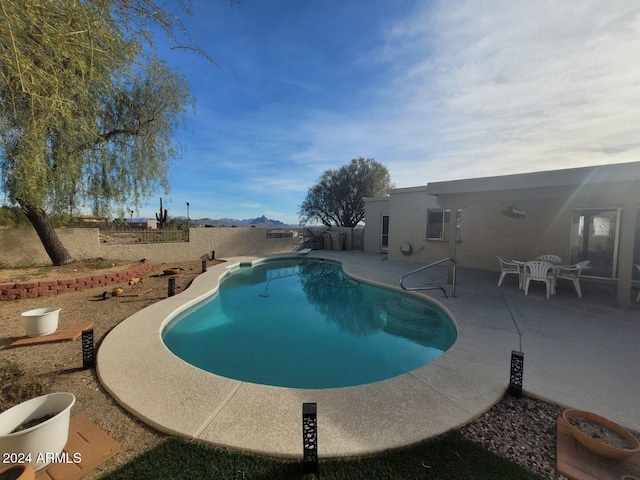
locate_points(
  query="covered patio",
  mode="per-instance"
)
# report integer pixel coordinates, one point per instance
(579, 214)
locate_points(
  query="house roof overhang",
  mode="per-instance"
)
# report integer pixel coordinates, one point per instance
(623, 172)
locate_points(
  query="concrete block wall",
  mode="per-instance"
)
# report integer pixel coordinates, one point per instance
(22, 247)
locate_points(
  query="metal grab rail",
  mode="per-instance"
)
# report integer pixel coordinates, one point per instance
(448, 259)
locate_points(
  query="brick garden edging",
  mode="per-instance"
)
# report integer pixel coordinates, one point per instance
(45, 288)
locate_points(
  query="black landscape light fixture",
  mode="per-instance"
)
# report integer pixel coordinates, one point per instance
(187, 216)
(515, 374)
(88, 349)
(309, 438)
(171, 287)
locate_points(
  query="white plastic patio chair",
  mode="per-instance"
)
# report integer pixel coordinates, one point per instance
(573, 273)
(539, 271)
(556, 260)
(507, 267)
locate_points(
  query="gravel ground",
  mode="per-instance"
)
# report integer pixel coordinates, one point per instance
(523, 430)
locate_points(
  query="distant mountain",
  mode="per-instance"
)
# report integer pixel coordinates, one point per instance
(262, 221)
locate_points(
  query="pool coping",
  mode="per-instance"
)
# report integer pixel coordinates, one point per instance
(149, 381)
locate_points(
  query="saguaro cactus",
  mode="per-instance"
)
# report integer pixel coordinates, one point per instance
(162, 216)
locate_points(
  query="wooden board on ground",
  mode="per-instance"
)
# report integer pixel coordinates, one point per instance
(135, 294)
(174, 275)
(578, 463)
(87, 443)
(64, 333)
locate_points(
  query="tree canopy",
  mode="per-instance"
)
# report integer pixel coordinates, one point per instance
(87, 114)
(338, 197)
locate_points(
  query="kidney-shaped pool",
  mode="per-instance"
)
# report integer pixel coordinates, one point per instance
(303, 323)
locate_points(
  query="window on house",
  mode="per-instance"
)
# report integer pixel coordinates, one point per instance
(436, 221)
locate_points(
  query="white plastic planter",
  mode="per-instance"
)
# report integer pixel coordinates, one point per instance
(41, 321)
(36, 445)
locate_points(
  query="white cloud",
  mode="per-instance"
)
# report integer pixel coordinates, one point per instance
(519, 86)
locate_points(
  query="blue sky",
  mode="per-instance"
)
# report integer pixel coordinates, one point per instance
(434, 90)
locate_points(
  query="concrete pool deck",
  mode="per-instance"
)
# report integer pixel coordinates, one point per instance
(579, 353)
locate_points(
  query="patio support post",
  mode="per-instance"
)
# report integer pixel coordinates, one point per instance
(453, 242)
(628, 219)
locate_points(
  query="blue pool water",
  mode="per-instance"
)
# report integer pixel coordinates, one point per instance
(305, 324)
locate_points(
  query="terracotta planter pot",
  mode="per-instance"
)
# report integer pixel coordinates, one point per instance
(596, 445)
(49, 437)
(18, 472)
(41, 321)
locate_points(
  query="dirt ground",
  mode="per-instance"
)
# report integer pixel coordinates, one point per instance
(59, 365)
(70, 270)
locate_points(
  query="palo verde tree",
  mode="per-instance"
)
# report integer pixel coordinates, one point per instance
(87, 114)
(338, 197)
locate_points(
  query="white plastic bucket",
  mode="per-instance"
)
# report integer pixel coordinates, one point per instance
(41, 321)
(37, 444)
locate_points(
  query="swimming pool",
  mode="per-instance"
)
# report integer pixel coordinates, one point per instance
(303, 323)
(138, 370)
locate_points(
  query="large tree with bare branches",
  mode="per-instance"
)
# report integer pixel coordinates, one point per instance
(87, 114)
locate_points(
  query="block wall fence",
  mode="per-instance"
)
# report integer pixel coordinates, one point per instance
(22, 247)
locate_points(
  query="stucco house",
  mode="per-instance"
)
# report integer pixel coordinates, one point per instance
(590, 213)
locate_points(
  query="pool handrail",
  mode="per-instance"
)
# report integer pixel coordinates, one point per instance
(410, 289)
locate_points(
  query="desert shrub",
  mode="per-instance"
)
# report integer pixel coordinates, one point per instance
(16, 386)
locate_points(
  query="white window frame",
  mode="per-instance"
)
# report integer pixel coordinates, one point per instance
(441, 233)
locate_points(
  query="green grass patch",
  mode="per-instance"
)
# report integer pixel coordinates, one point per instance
(448, 457)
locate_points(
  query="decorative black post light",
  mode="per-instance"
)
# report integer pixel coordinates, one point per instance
(187, 216)
(309, 438)
(88, 349)
(515, 375)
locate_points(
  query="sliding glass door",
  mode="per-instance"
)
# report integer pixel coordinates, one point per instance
(594, 237)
